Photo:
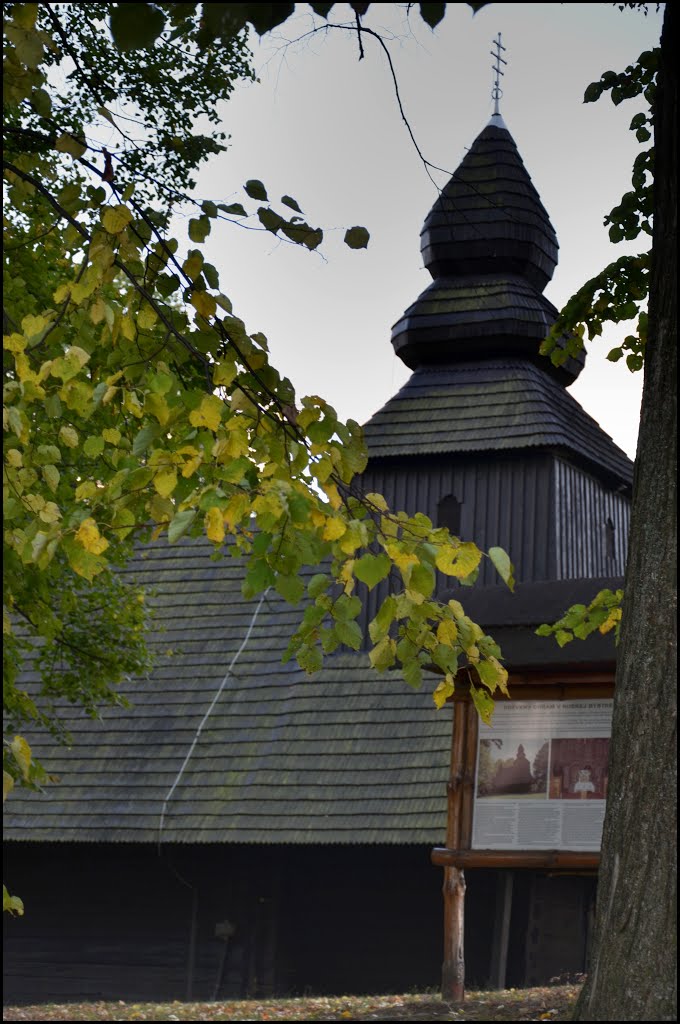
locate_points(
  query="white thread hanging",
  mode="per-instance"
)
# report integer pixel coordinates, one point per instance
(206, 716)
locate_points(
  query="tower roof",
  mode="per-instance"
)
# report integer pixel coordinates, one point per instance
(491, 406)
(491, 249)
(489, 219)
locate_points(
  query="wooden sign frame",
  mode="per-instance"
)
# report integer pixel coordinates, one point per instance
(458, 854)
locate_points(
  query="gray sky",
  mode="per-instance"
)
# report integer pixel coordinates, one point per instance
(325, 128)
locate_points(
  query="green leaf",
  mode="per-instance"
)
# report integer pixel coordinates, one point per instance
(413, 673)
(422, 580)
(256, 189)
(264, 17)
(269, 219)
(235, 209)
(180, 524)
(93, 447)
(371, 569)
(383, 654)
(68, 144)
(317, 585)
(199, 229)
(258, 577)
(483, 702)
(349, 633)
(503, 566)
(432, 14)
(310, 659)
(292, 203)
(136, 26)
(146, 436)
(357, 238)
(383, 620)
(291, 588)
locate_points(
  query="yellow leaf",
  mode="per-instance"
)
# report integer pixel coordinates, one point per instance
(97, 311)
(192, 464)
(14, 458)
(32, 326)
(333, 495)
(88, 537)
(401, 558)
(224, 373)
(334, 528)
(7, 784)
(208, 414)
(111, 435)
(203, 303)
(128, 328)
(165, 482)
(50, 513)
(193, 266)
(459, 560)
(116, 218)
(443, 692)
(87, 489)
(611, 620)
(158, 407)
(238, 507)
(378, 501)
(130, 402)
(77, 355)
(14, 342)
(214, 525)
(447, 632)
(35, 502)
(146, 318)
(69, 437)
(22, 755)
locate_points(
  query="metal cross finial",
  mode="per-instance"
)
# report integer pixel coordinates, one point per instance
(497, 92)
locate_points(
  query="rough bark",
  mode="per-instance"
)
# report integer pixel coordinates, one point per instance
(633, 974)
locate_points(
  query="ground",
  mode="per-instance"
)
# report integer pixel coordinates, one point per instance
(554, 1002)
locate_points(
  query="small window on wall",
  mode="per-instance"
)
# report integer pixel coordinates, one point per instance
(448, 514)
(610, 540)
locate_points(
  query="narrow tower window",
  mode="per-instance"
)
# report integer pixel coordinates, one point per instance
(610, 539)
(448, 514)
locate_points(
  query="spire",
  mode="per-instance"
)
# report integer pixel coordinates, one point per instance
(497, 92)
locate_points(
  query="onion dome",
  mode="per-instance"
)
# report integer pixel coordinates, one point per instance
(489, 218)
(491, 249)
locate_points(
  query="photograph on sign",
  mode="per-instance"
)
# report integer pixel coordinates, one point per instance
(511, 770)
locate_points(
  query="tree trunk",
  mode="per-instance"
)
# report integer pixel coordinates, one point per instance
(633, 974)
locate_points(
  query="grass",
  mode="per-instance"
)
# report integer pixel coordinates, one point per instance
(550, 1003)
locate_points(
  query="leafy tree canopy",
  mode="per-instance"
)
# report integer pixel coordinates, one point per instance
(136, 403)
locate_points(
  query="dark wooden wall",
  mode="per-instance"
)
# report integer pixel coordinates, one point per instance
(550, 516)
(585, 509)
(115, 922)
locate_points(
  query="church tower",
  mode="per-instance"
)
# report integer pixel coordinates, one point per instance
(485, 439)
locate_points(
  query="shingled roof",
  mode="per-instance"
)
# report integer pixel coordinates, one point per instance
(492, 405)
(347, 756)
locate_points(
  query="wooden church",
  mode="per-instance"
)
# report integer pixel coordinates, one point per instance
(280, 838)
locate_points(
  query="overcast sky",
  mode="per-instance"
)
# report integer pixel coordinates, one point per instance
(324, 127)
